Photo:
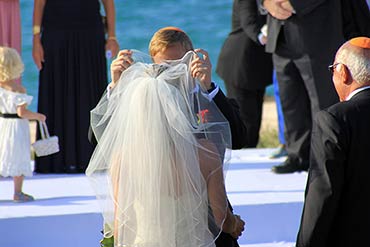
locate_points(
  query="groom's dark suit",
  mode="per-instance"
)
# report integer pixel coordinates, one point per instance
(336, 211)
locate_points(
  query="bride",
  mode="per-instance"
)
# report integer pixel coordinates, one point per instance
(158, 166)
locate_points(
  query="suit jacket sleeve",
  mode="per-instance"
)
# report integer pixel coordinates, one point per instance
(248, 12)
(301, 7)
(325, 180)
(355, 18)
(230, 109)
(261, 9)
(306, 7)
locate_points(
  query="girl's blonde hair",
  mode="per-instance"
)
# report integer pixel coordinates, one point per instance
(166, 37)
(11, 65)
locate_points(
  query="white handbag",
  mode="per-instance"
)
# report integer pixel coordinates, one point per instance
(47, 144)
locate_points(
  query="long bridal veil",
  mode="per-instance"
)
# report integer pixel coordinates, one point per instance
(158, 167)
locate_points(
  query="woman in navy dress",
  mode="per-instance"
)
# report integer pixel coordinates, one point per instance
(69, 48)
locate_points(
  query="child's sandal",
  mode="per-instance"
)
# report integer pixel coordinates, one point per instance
(22, 197)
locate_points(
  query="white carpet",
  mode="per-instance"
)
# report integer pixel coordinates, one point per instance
(65, 213)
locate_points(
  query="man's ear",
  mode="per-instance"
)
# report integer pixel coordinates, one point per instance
(344, 73)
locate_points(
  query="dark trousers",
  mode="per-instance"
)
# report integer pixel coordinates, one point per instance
(225, 240)
(250, 103)
(305, 88)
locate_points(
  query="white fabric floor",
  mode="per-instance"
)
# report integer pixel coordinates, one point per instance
(65, 213)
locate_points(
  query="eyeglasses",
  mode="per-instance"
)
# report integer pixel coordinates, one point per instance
(332, 67)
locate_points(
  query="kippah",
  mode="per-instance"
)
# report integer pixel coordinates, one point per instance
(362, 42)
(170, 28)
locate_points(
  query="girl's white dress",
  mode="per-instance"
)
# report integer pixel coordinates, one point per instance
(15, 141)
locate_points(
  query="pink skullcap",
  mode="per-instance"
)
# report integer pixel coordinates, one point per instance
(362, 42)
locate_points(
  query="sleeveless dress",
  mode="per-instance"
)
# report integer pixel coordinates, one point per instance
(15, 143)
(72, 79)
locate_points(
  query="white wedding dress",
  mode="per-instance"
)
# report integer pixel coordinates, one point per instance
(147, 167)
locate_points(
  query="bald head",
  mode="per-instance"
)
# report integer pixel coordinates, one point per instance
(355, 55)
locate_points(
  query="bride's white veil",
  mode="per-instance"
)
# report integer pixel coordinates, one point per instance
(157, 169)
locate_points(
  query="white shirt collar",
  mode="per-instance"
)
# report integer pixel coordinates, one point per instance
(354, 92)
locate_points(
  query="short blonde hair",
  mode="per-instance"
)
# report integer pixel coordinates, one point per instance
(11, 65)
(167, 36)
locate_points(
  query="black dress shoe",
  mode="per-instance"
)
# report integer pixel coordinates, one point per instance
(289, 166)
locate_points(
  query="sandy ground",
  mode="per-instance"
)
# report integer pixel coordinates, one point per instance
(269, 118)
(269, 114)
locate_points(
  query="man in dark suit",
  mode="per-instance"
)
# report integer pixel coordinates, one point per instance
(336, 209)
(303, 37)
(245, 66)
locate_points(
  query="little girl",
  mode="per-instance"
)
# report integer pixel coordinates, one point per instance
(15, 153)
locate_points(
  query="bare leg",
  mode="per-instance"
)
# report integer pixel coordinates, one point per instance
(18, 184)
(19, 196)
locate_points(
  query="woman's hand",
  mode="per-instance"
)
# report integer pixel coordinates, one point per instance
(37, 51)
(112, 45)
(201, 68)
(120, 64)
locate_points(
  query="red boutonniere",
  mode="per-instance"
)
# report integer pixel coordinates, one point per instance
(202, 116)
